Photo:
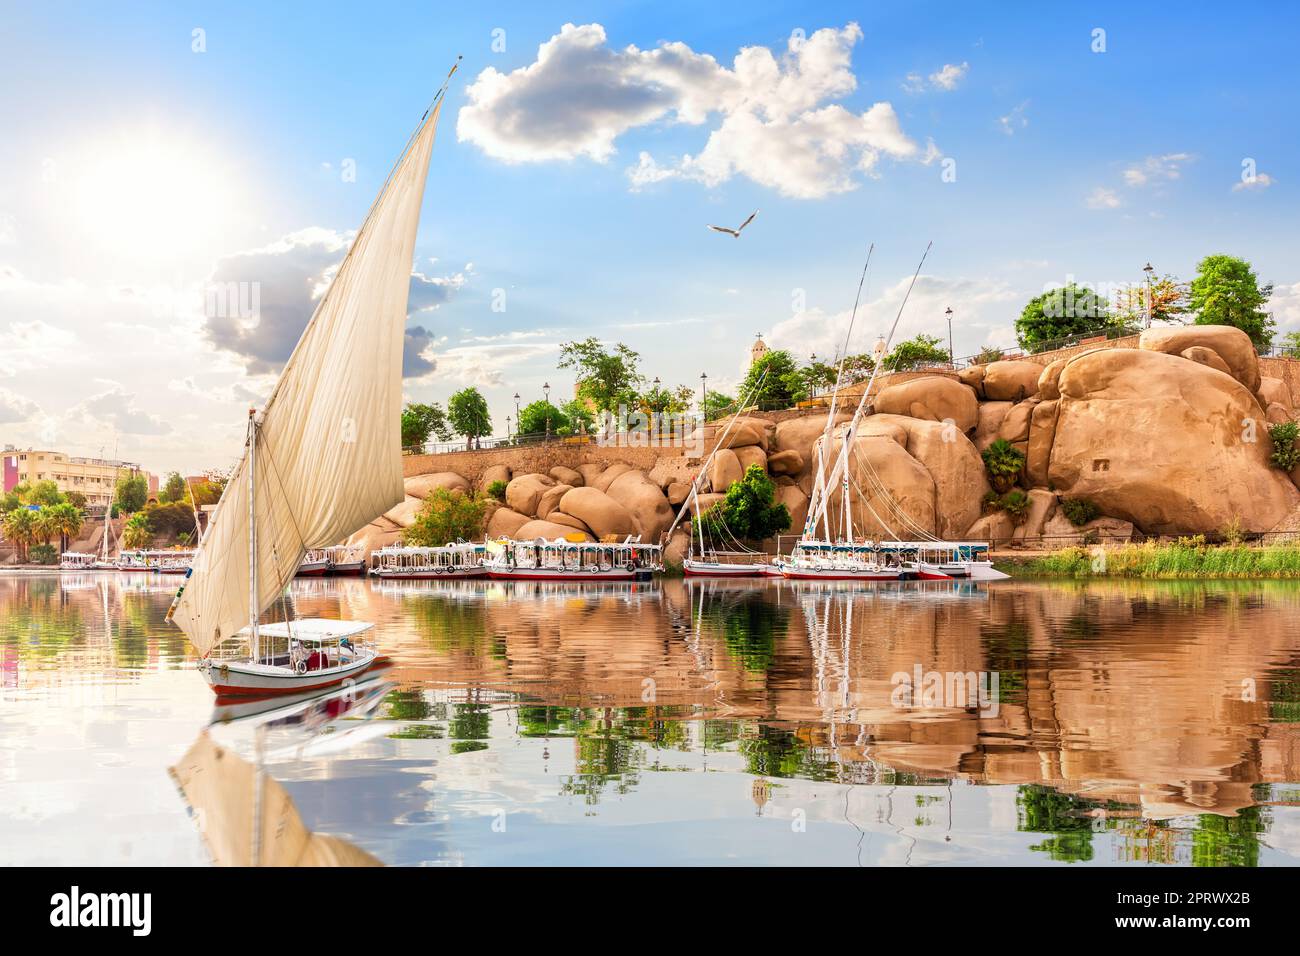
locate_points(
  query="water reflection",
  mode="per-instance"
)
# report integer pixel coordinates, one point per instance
(746, 721)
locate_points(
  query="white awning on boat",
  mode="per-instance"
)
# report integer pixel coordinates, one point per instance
(312, 630)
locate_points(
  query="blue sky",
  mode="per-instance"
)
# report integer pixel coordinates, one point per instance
(139, 170)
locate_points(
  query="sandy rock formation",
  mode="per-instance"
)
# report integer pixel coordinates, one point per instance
(1207, 357)
(1276, 414)
(609, 475)
(1010, 381)
(550, 500)
(1015, 424)
(879, 460)
(1042, 504)
(525, 491)
(996, 528)
(724, 470)
(493, 474)
(992, 414)
(559, 517)
(419, 486)
(599, 512)
(1042, 430)
(379, 533)
(801, 435)
(952, 462)
(751, 455)
(931, 398)
(1060, 532)
(796, 502)
(677, 492)
(404, 515)
(645, 502)
(1232, 345)
(789, 462)
(567, 476)
(589, 471)
(1047, 381)
(1274, 391)
(505, 522)
(546, 529)
(1155, 439)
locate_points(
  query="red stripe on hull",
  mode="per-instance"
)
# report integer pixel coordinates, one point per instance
(575, 576)
(310, 573)
(841, 577)
(225, 690)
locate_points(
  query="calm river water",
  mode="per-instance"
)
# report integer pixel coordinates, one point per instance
(679, 723)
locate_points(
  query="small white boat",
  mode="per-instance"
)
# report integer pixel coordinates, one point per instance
(461, 560)
(561, 560)
(293, 657)
(78, 561)
(314, 564)
(703, 568)
(344, 561)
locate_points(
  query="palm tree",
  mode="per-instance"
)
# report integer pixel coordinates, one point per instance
(47, 523)
(68, 519)
(20, 527)
(136, 532)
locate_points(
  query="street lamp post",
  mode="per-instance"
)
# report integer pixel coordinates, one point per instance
(517, 409)
(704, 380)
(509, 433)
(1148, 270)
(948, 314)
(546, 391)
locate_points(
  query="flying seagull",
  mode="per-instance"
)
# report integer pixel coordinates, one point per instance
(735, 232)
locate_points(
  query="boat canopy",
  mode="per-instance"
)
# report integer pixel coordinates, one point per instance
(312, 630)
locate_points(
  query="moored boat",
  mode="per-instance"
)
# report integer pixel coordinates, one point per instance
(314, 565)
(561, 560)
(462, 560)
(321, 460)
(712, 567)
(345, 561)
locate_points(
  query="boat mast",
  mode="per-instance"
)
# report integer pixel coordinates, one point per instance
(253, 610)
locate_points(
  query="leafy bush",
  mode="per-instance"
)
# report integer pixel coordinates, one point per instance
(992, 502)
(43, 554)
(1079, 510)
(497, 490)
(137, 533)
(447, 516)
(1003, 461)
(1285, 455)
(747, 511)
(1015, 503)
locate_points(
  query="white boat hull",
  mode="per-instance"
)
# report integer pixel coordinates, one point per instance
(247, 679)
(566, 574)
(718, 569)
(433, 574)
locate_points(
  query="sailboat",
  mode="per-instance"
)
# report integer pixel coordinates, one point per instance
(836, 554)
(322, 458)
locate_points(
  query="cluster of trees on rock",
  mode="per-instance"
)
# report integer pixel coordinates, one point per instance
(1225, 291)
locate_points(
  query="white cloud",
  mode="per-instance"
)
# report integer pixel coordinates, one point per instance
(34, 345)
(913, 83)
(984, 313)
(775, 126)
(1103, 198)
(1155, 169)
(1260, 181)
(285, 279)
(15, 409)
(1014, 120)
(115, 409)
(482, 365)
(949, 76)
(8, 229)
(1285, 306)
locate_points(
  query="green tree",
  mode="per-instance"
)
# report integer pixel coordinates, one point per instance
(43, 493)
(19, 527)
(467, 411)
(67, 520)
(420, 420)
(534, 416)
(582, 420)
(818, 376)
(1003, 461)
(1284, 455)
(137, 533)
(76, 499)
(748, 511)
(1067, 310)
(447, 516)
(774, 381)
(47, 523)
(1291, 344)
(716, 405)
(1227, 292)
(173, 489)
(132, 493)
(9, 501)
(607, 378)
(664, 401)
(916, 353)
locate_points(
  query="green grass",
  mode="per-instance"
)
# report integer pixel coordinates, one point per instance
(1183, 559)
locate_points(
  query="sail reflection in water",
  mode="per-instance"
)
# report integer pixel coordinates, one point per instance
(684, 721)
(245, 816)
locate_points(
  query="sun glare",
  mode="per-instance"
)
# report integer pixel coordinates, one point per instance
(151, 196)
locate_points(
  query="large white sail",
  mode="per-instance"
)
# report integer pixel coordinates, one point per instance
(328, 443)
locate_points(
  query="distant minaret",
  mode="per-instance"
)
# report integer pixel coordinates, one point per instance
(757, 350)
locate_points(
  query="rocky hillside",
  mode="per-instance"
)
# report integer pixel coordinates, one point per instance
(1167, 438)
